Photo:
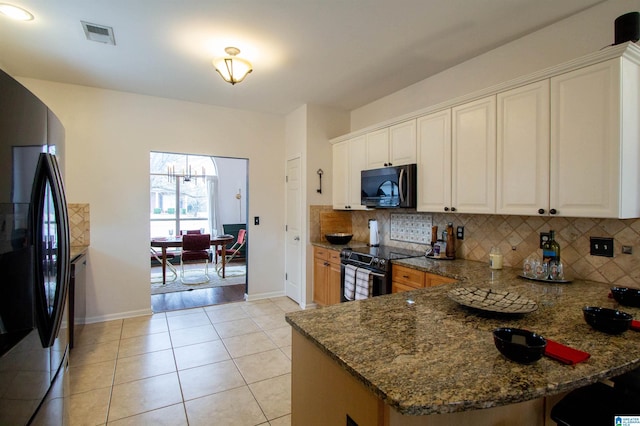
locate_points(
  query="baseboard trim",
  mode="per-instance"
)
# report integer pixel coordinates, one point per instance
(260, 296)
(120, 315)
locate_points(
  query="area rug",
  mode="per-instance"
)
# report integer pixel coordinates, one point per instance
(235, 274)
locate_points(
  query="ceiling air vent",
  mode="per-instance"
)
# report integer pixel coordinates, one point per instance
(99, 33)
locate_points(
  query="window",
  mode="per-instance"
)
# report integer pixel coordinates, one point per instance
(179, 199)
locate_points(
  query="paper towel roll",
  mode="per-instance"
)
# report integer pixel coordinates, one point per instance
(374, 236)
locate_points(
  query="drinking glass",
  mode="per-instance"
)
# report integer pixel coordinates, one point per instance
(171, 232)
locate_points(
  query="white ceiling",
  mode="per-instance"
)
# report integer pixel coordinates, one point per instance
(336, 53)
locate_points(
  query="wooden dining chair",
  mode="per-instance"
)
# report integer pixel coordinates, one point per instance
(195, 249)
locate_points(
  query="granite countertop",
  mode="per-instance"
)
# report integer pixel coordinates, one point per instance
(422, 353)
(338, 247)
(77, 251)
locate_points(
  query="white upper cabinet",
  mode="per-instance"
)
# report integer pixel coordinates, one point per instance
(523, 150)
(340, 181)
(594, 141)
(473, 167)
(349, 159)
(434, 162)
(392, 146)
(377, 149)
(402, 143)
(562, 141)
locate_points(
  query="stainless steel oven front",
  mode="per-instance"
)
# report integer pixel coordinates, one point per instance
(380, 271)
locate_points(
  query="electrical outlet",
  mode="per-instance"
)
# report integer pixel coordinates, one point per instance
(460, 232)
(601, 246)
(256, 220)
(544, 237)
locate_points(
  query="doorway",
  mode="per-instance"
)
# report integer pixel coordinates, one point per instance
(193, 193)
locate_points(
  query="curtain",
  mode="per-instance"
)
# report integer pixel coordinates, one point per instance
(214, 211)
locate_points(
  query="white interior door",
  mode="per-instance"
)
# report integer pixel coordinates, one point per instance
(293, 246)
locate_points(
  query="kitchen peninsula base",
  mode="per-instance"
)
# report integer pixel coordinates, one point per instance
(322, 393)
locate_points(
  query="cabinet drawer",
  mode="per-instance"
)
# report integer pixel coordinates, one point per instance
(334, 256)
(321, 253)
(433, 280)
(397, 287)
(407, 276)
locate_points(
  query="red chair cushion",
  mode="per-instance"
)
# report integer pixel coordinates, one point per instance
(194, 255)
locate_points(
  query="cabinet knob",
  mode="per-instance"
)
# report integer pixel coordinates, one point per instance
(553, 211)
(540, 211)
(453, 209)
(446, 209)
(390, 164)
(386, 164)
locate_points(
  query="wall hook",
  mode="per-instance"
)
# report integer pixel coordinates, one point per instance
(320, 173)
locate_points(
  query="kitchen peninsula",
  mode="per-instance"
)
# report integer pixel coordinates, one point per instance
(419, 358)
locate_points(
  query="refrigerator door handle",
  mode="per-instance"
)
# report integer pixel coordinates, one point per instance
(50, 242)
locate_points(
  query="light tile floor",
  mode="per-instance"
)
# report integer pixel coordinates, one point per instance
(218, 365)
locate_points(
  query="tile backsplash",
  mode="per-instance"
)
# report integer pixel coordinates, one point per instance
(79, 229)
(518, 237)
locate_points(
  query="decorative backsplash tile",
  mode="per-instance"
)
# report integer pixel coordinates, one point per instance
(518, 237)
(413, 228)
(79, 224)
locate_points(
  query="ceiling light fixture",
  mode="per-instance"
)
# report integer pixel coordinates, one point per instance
(15, 12)
(231, 68)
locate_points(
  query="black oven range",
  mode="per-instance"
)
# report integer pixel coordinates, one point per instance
(377, 260)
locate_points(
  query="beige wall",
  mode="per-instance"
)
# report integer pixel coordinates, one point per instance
(308, 130)
(109, 136)
(570, 38)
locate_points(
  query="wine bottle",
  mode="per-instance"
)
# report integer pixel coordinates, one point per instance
(551, 249)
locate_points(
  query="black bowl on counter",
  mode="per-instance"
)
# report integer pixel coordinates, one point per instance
(519, 345)
(626, 296)
(338, 237)
(608, 320)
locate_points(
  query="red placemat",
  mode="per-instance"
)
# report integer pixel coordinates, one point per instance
(565, 354)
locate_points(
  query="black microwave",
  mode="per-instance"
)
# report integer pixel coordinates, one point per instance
(389, 187)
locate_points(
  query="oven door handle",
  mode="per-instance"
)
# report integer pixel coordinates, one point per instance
(375, 274)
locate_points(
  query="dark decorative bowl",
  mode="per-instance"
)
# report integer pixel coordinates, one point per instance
(338, 238)
(519, 345)
(626, 296)
(608, 320)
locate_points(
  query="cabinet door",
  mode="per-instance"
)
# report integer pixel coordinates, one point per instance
(340, 185)
(333, 284)
(434, 162)
(357, 163)
(320, 281)
(474, 156)
(402, 143)
(585, 141)
(377, 149)
(523, 150)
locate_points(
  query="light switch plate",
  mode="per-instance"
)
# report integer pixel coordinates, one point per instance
(600, 246)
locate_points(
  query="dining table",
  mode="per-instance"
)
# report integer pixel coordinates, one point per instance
(176, 242)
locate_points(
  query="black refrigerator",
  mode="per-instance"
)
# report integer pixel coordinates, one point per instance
(34, 260)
